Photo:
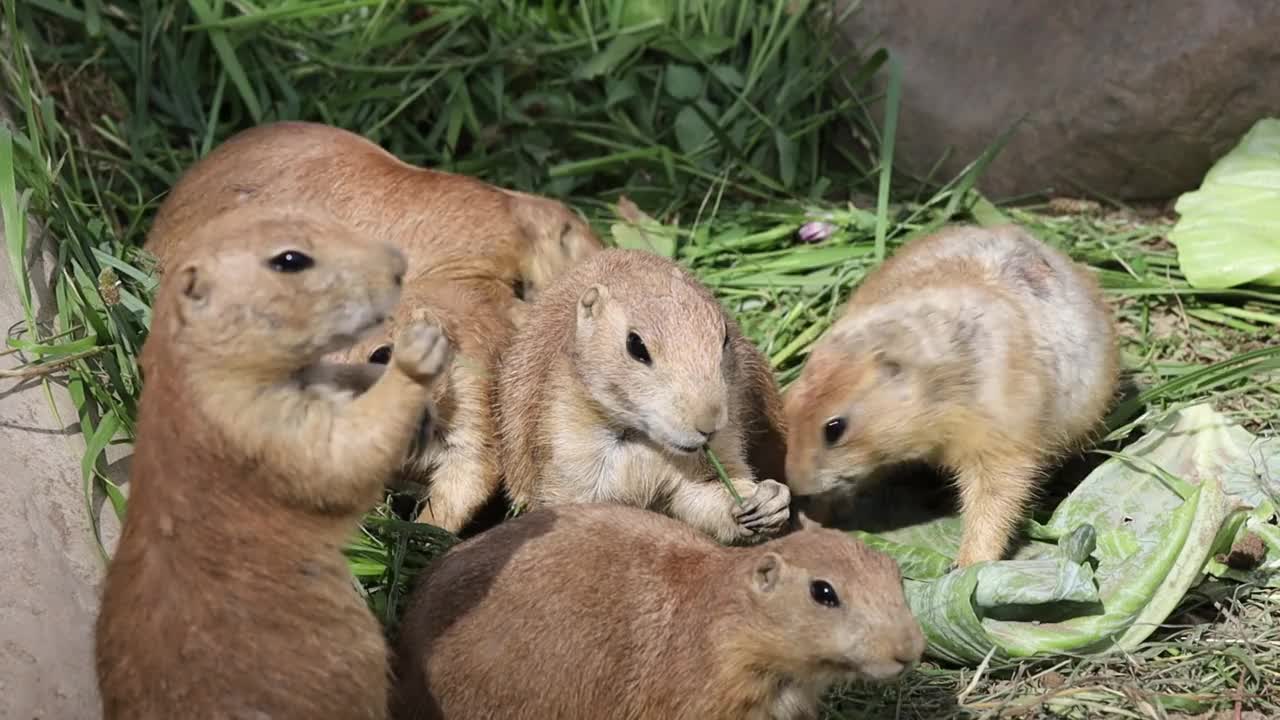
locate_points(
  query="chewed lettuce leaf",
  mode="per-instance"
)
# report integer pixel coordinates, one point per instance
(1114, 559)
(1228, 233)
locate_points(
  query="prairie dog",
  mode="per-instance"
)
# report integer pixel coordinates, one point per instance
(609, 611)
(622, 374)
(228, 595)
(983, 351)
(451, 227)
(457, 458)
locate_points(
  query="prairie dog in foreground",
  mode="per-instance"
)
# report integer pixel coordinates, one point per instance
(450, 226)
(228, 595)
(983, 351)
(608, 611)
(457, 459)
(622, 374)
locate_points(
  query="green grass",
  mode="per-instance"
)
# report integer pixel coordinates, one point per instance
(726, 122)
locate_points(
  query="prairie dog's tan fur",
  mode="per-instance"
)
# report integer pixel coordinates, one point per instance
(228, 595)
(451, 227)
(608, 611)
(457, 461)
(581, 419)
(984, 351)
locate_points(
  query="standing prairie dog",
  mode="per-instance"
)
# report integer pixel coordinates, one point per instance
(456, 460)
(228, 595)
(451, 227)
(609, 611)
(623, 373)
(983, 351)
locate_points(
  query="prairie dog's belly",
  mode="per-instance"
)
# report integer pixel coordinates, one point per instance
(597, 466)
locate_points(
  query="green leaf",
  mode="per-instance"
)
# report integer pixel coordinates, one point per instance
(691, 130)
(1229, 230)
(787, 160)
(682, 82)
(13, 212)
(230, 63)
(729, 75)
(893, 98)
(607, 60)
(641, 12)
(1129, 547)
(693, 49)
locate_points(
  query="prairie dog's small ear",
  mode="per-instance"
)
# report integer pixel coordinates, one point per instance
(890, 367)
(766, 572)
(592, 303)
(194, 287)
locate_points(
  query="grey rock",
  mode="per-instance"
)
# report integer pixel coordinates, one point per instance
(1126, 99)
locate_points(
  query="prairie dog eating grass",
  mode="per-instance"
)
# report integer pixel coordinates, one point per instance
(983, 351)
(623, 374)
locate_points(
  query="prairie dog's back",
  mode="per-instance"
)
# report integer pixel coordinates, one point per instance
(451, 226)
(488, 608)
(1059, 301)
(602, 610)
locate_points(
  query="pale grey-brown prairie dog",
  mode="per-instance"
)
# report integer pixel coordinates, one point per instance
(984, 351)
(457, 458)
(228, 595)
(451, 227)
(608, 611)
(623, 372)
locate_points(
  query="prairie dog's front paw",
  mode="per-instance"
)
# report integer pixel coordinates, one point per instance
(767, 509)
(422, 352)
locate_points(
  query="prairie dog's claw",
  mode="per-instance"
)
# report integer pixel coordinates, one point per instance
(422, 352)
(768, 508)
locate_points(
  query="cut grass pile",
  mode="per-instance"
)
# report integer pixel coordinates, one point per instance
(720, 120)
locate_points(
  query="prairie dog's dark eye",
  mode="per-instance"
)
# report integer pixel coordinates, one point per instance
(381, 355)
(725, 344)
(637, 350)
(291, 261)
(833, 430)
(823, 594)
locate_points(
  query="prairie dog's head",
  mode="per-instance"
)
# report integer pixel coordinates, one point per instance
(652, 347)
(832, 608)
(275, 290)
(558, 239)
(868, 396)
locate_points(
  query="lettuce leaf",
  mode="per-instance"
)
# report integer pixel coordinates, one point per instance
(1228, 233)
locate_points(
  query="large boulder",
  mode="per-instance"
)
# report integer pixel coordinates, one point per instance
(1125, 99)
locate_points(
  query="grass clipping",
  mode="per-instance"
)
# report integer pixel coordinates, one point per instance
(1116, 556)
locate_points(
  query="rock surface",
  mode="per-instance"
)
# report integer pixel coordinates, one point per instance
(50, 563)
(1126, 99)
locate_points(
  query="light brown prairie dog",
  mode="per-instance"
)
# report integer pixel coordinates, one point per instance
(457, 458)
(983, 351)
(228, 595)
(608, 611)
(450, 226)
(624, 371)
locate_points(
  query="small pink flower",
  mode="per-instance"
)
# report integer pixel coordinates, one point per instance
(817, 231)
